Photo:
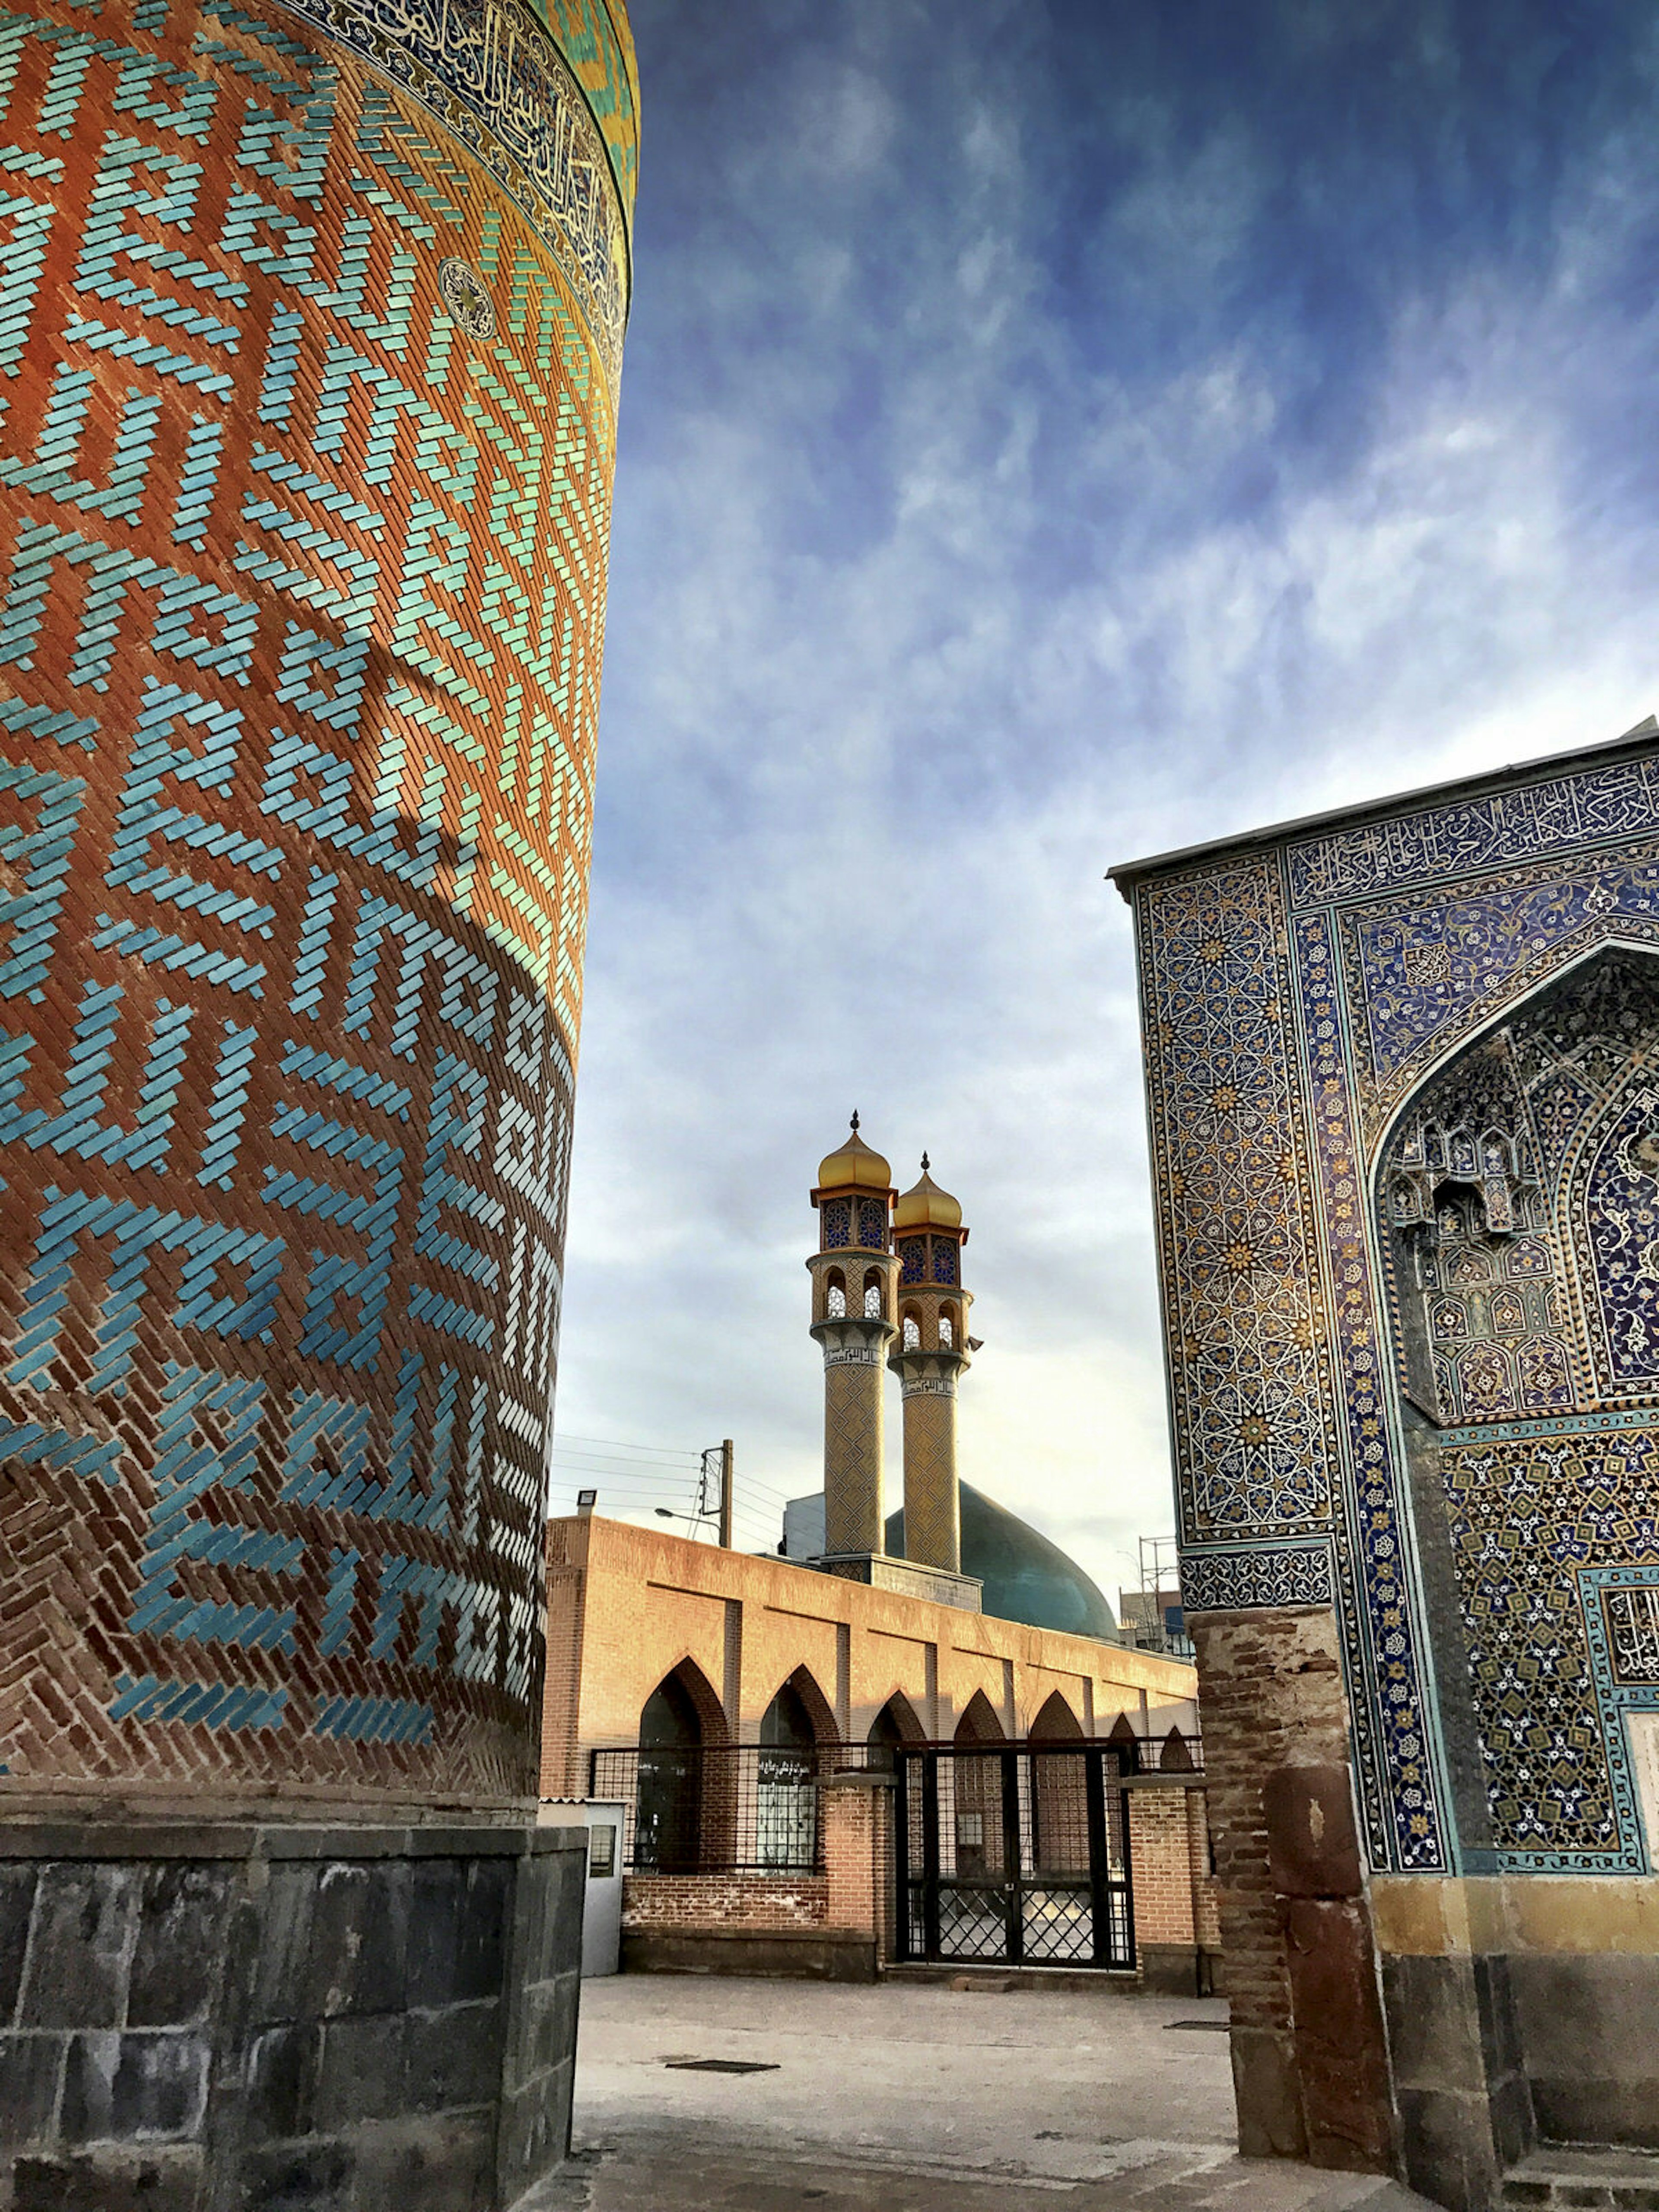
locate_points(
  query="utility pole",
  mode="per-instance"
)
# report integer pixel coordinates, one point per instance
(727, 1456)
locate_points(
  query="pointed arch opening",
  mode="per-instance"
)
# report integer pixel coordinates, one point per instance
(673, 1811)
(1177, 1756)
(795, 1729)
(893, 1727)
(1055, 1721)
(1060, 1804)
(1518, 1203)
(980, 1815)
(979, 1723)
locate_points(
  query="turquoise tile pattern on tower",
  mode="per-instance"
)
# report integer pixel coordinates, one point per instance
(302, 605)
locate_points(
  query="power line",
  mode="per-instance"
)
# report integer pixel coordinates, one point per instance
(617, 1443)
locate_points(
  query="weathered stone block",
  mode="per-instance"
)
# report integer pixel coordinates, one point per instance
(544, 2027)
(76, 1974)
(456, 1929)
(116, 2180)
(1442, 2133)
(534, 2132)
(285, 1943)
(454, 2057)
(282, 2070)
(1313, 1849)
(31, 2070)
(358, 1961)
(1268, 2090)
(307, 2178)
(1339, 2034)
(182, 1909)
(449, 2162)
(16, 1903)
(288, 2088)
(1434, 2027)
(361, 2073)
(151, 2085)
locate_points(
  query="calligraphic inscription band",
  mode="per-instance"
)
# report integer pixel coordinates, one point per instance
(311, 331)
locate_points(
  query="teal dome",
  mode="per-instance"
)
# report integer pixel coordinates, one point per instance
(1025, 1576)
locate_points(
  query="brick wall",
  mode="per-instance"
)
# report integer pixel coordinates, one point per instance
(1161, 1867)
(1274, 1710)
(626, 1605)
(730, 1901)
(563, 1769)
(1206, 1890)
(310, 365)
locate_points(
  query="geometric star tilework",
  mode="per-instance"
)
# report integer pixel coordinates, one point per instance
(1564, 1095)
(1341, 972)
(1248, 1331)
(302, 604)
(1529, 1515)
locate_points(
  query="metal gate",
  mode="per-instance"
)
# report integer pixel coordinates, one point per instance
(1014, 1855)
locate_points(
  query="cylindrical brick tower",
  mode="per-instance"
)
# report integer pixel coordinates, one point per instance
(853, 1274)
(931, 1348)
(312, 323)
(312, 316)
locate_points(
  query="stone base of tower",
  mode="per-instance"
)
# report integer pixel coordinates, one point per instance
(326, 2019)
(907, 1576)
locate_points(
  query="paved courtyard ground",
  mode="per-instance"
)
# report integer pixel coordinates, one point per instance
(906, 2099)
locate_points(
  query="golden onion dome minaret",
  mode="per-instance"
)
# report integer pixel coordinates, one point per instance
(930, 1349)
(925, 1205)
(852, 1271)
(854, 1165)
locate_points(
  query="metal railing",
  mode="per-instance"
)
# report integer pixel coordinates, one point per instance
(739, 1809)
(753, 1808)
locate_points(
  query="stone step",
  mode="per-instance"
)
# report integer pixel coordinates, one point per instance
(1578, 2177)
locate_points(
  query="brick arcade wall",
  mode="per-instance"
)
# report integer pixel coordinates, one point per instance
(1175, 1897)
(304, 494)
(626, 1604)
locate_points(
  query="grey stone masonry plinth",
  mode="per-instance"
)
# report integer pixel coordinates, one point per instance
(241, 2018)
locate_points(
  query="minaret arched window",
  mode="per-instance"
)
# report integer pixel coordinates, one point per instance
(872, 1296)
(834, 1296)
(947, 1330)
(911, 1332)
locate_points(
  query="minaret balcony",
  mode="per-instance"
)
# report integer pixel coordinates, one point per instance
(854, 1339)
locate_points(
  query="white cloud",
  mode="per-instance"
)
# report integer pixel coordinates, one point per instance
(927, 607)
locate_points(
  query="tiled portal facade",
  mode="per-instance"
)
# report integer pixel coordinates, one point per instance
(1405, 1134)
(310, 330)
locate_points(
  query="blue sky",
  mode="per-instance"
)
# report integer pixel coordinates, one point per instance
(1051, 434)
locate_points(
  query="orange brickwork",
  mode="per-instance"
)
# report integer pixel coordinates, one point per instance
(627, 1606)
(635, 1605)
(1174, 1894)
(311, 331)
(748, 1901)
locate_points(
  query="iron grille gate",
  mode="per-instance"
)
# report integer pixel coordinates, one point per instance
(1014, 1855)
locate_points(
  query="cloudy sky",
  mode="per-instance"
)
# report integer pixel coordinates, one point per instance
(1052, 433)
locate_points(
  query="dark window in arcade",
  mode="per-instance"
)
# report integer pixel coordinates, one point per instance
(666, 1819)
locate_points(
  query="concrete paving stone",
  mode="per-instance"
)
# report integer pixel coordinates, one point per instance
(914, 2098)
